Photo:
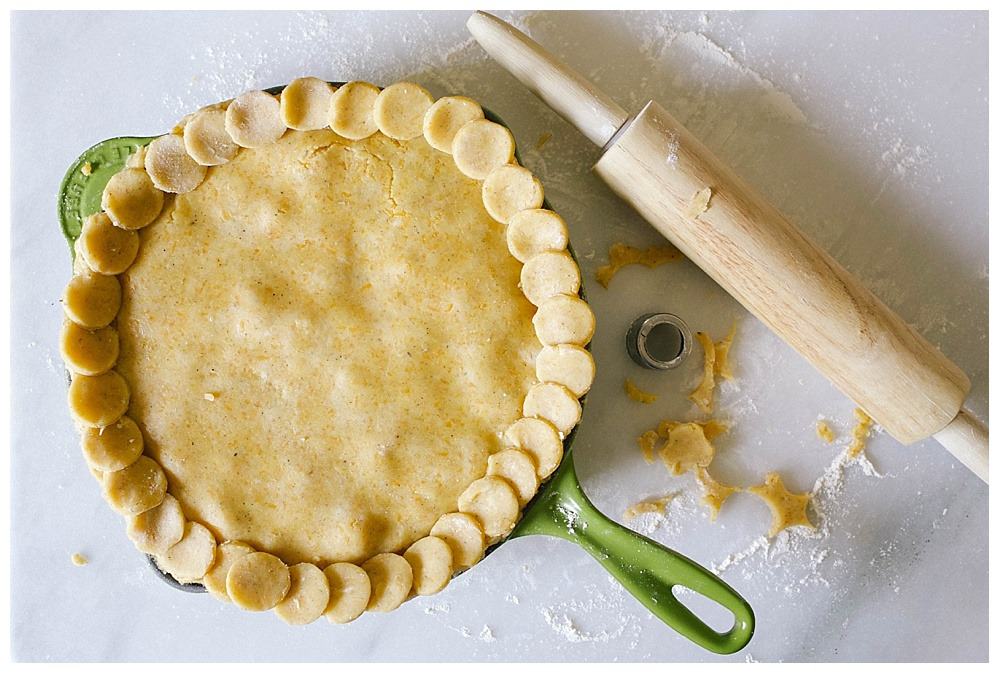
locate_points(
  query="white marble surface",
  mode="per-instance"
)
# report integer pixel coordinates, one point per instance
(868, 130)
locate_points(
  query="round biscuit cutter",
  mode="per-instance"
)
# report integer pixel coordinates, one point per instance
(560, 509)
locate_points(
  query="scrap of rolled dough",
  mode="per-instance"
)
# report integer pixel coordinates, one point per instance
(648, 506)
(861, 431)
(686, 447)
(786, 508)
(700, 203)
(714, 493)
(647, 443)
(703, 394)
(721, 365)
(637, 394)
(79, 559)
(621, 255)
(825, 431)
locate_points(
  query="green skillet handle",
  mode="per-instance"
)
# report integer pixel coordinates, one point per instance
(645, 568)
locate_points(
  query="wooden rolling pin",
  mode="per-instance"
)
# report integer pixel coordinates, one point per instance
(908, 386)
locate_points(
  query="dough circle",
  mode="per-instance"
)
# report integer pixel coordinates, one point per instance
(113, 447)
(307, 597)
(131, 199)
(554, 403)
(305, 104)
(350, 589)
(136, 488)
(206, 139)
(156, 530)
(463, 533)
(352, 110)
(539, 438)
(432, 562)
(564, 319)
(92, 299)
(509, 189)
(391, 580)
(253, 119)
(98, 401)
(494, 503)
(445, 117)
(481, 146)
(535, 230)
(400, 109)
(189, 560)
(568, 364)
(89, 352)
(170, 167)
(517, 467)
(107, 248)
(257, 581)
(226, 554)
(548, 274)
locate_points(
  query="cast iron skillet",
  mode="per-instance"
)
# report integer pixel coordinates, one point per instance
(560, 509)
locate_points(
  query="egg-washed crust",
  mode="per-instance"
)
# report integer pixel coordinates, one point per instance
(179, 162)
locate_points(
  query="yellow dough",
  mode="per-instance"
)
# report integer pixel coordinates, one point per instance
(699, 203)
(113, 447)
(463, 534)
(721, 365)
(443, 119)
(350, 589)
(703, 395)
(637, 394)
(391, 580)
(257, 581)
(650, 506)
(647, 443)
(554, 403)
(564, 319)
(91, 299)
(156, 530)
(307, 597)
(535, 230)
(87, 351)
(714, 493)
(787, 509)
(570, 365)
(622, 255)
(98, 401)
(106, 248)
(548, 274)
(481, 146)
(687, 448)
(206, 139)
(825, 432)
(400, 108)
(253, 119)
(170, 167)
(352, 110)
(130, 198)
(226, 554)
(861, 431)
(494, 503)
(540, 439)
(518, 469)
(192, 557)
(305, 104)
(432, 562)
(136, 488)
(509, 189)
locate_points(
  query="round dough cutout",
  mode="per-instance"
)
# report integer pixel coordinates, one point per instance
(307, 597)
(352, 111)
(516, 467)
(89, 352)
(391, 580)
(539, 438)
(136, 488)
(535, 230)
(257, 581)
(350, 589)
(494, 503)
(113, 447)
(548, 274)
(445, 117)
(463, 533)
(98, 401)
(156, 530)
(170, 167)
(206, 139)
(189, 560)
(226, 554)
(130, 198)
(433, 564)
(106, 248)
(305, 104)
(510, 189)
(91, 299)
(555, 403)
(481, 146)
(570, 365)
(253, 119)
(400, 108)
(564, 319)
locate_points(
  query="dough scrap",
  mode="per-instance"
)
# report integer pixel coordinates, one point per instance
(540, 439)
(107, 248)
(722, 366)
(711, 427)
(192, 557)
(637, 394)
(787, 508)
(554, 403)
(98, 401)
(391, 580)
(443, 119)
(494, 503)
(156, 530)
(253, 119)
(130, 198)
(305, 104)
(307, 597)
(432, 562)
(257, 581)
(699, 203)
(206, 139)
(621, 255)
(861, 431)
(686, 448)
(510, 189)
(516, 467)
(91, 299)
(79, 559)
(350, 589)
(112, 447)
(714, 493)
(89, 352)
(464, 535)
(564, 319)
(570, 365)
(481, 146)
(648, 506)
(824, 431)
(352, 110)
(535, 230)
(647, 443)
(137, 487)
(226, 554)
(703, 394)
(548, 274)
(170, 166)
(400, 109)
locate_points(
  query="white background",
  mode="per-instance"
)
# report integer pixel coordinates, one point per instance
(869, 130)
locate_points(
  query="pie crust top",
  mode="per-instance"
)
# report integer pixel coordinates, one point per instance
(325, 346)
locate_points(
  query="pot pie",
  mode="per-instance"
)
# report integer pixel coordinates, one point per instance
(325, 345)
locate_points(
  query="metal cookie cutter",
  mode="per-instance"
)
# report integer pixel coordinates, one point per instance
(658, 341)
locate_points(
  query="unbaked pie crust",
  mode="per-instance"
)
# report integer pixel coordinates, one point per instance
(325, 345)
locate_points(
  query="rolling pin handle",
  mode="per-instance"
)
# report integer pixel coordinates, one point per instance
(967, 439)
